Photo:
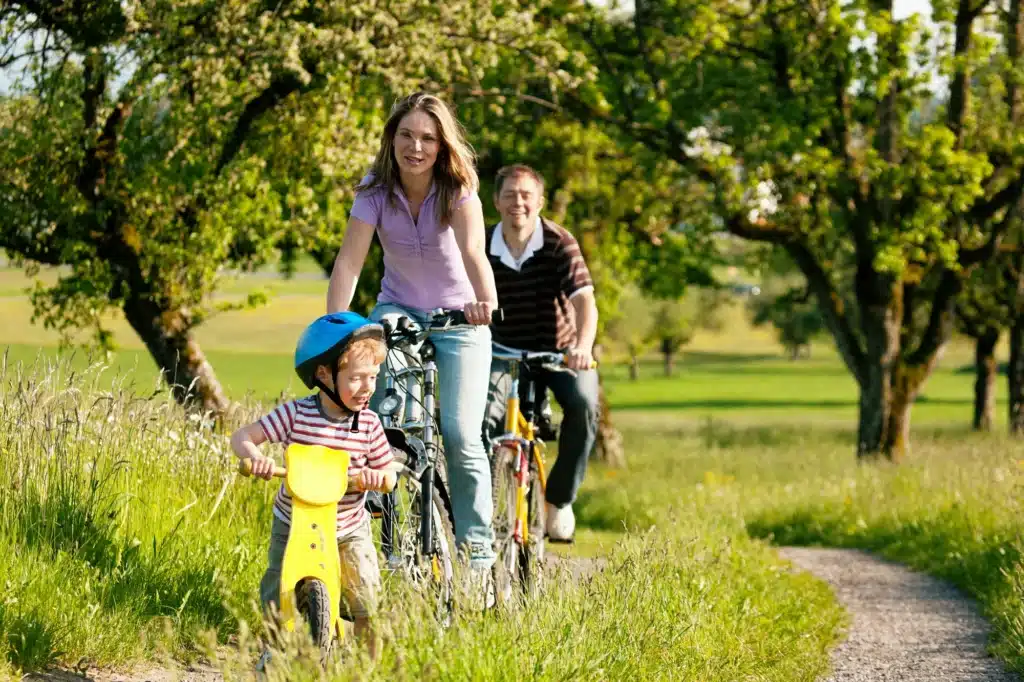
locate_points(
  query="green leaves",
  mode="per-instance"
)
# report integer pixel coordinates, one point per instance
(171, 141)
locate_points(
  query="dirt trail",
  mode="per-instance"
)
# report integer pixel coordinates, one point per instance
(904, 625)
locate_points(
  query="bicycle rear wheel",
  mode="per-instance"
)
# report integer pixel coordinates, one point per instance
(531, 554)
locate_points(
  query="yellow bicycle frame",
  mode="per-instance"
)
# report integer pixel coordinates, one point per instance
(516, 425)
(316, 478)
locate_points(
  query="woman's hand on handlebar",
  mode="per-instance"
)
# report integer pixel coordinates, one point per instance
(479, 312)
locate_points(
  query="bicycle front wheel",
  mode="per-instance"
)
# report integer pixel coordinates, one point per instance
(531, 553)
(431, 571)
(506, 549)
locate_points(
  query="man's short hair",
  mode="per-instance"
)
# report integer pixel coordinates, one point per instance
(513, 170)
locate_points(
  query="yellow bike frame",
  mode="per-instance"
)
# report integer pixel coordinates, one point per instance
(517, 426)
(316, 478)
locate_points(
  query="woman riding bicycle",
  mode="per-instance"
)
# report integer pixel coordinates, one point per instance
(420, 197)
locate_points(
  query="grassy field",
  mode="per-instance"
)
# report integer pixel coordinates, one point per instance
(133, 541)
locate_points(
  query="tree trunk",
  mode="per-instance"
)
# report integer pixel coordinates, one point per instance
(882, 344)
(168, 337)
(1015, 377)
(985, 379)
(609, 441)
(669, 363)
(634, 368)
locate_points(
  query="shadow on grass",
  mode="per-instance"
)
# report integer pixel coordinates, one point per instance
(164, 579)
(766, 403)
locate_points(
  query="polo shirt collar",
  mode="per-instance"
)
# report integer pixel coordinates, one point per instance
(500, 249)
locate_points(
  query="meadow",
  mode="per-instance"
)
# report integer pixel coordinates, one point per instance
(135, 544)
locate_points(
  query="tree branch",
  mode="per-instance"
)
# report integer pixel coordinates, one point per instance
(831, 305)
(940, 319)
(280, 88)
(759, 232)
(959, 95)
(983, 211)
(93, 171)
(33, 246)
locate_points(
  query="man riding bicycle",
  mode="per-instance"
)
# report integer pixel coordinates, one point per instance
(547, 296)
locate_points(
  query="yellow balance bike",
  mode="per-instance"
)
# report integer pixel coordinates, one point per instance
(316, 478)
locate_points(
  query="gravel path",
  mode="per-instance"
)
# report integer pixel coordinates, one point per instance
(904, 625)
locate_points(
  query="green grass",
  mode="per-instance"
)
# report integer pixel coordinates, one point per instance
(130, 538)
(953, 510)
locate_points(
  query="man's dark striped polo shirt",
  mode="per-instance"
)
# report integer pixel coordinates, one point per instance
(536, 298)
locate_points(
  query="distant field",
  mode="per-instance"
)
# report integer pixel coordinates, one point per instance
(739, 374)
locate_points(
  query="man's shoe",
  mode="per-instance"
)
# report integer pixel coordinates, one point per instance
(561, 523)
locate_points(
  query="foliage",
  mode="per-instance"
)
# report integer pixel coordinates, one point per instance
(676, 321)
(797, 321)
(149, 145)
(816, 127)
(621, 202)
(629, 329)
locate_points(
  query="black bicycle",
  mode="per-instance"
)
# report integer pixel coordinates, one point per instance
(417, 533)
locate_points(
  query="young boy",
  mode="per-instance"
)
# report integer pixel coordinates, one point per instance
(339, 354)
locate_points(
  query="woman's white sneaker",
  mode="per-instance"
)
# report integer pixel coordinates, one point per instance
(561, 523)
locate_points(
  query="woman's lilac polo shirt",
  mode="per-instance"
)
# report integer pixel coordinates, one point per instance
(423, 266)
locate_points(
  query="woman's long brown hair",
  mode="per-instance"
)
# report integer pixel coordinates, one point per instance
(454, 170)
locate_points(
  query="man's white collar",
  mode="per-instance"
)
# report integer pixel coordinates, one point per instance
(500, 248)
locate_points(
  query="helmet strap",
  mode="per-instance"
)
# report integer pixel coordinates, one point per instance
(336, 397)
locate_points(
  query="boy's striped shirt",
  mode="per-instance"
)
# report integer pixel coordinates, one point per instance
(302, 421)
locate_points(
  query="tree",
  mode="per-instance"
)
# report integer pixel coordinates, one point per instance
(147, 145)
(625, 214)
(630, 327)
(796, 319)
(983, 310)
(815, 127)
(676, 321)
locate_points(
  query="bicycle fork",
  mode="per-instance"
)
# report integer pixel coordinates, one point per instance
(517, 426)
(427, 478)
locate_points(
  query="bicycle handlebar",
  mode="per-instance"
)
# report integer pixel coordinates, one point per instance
(354, 482)
(440, 320)
(503, 352)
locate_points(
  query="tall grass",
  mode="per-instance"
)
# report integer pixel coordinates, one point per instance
(130, 539)
(954, 509)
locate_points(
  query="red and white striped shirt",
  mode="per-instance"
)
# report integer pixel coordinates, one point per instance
(301, 421)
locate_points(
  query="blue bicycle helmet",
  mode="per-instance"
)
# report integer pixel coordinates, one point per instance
(324, 341)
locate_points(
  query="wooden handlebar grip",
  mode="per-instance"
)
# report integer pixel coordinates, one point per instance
(354, 482)
(245, 468)
(390, 479)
